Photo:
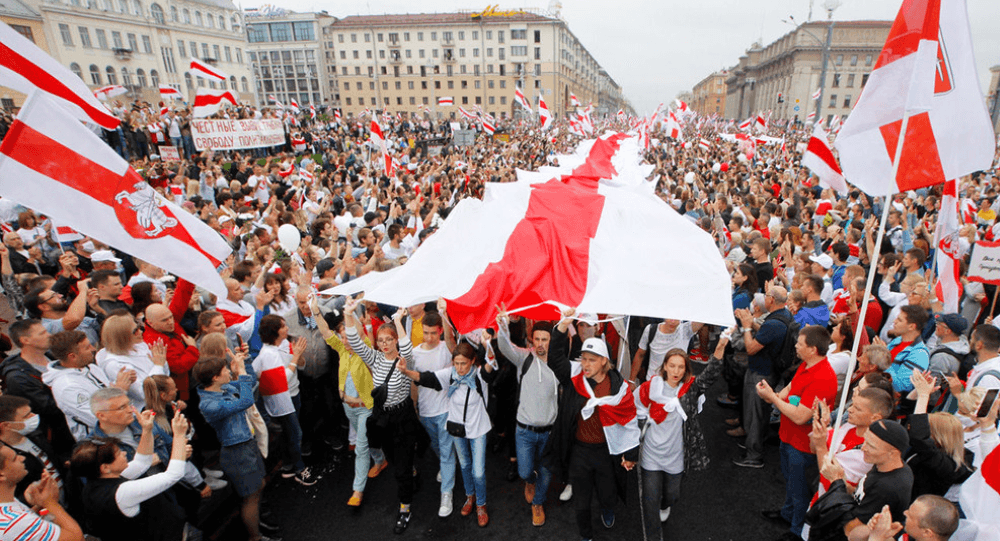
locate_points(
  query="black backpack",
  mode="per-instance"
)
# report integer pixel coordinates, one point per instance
(787, 361)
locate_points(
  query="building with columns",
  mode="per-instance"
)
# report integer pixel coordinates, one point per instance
(782, 76)
(405, 63)
(708, 97)
(141, 44)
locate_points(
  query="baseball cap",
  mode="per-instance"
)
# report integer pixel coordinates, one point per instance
(323, 266)
(824, 260)
(104, 255)
(595, 346)
(955, 322)
(589, 319)
(736, 255)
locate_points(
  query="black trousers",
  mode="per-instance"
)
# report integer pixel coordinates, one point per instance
(395, 432)
(591, 471)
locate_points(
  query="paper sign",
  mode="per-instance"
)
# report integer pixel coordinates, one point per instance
(985, 264)
(169, 153)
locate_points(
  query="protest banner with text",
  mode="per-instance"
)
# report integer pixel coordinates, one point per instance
(234, 134)
(985, 264)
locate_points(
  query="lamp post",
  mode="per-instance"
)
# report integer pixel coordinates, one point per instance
(829, 5)
(430, 70)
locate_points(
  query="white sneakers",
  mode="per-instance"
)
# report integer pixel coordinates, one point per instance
(439, 476)
(215, 483)
(445, 510)
(664, 514)
(567, 494)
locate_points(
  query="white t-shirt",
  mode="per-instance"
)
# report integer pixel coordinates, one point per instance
(988, 381)
(662, 343)
(431, 403)
(477, 420)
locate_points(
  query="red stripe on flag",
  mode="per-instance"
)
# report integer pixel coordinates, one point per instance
(920, 21)
(920, 164)
(48, 83)
(23, 145)
(823, 152)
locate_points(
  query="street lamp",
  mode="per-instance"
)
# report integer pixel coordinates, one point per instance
(430, 70)
(829, 5)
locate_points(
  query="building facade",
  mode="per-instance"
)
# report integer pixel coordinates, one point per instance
(708, 97)
(405, 63)
(141, 44)
(288, 56)
(993, 97)
(782, 76)
(28, 23)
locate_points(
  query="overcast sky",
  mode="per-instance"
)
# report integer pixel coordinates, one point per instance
(657, 49)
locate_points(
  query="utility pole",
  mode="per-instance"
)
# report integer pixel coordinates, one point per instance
(830, 5)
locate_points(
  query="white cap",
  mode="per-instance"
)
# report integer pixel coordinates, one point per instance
(589, 319)
(104, 255)
(824, 260)
(595, 346)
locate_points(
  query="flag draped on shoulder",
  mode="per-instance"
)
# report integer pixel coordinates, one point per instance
(206, 71)
(208, 101)
(25, 68)
(379, 139)
(820, 160)
(946, 240)
(48, 160)
(926, 78)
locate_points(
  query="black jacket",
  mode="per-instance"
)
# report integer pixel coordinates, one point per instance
(21, 378)
(563, 436)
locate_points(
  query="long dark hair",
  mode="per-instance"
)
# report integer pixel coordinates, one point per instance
(748, 270)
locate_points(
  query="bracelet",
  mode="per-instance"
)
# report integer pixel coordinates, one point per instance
(745, 329)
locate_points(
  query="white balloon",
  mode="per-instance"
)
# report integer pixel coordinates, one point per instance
(716, 167)
(742, 158)
(689, 177)
(289, 238)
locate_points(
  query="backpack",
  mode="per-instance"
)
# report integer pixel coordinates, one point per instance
(787, 360)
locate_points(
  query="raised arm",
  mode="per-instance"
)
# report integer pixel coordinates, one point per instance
(366, 353)
(449, 331)
(507, 348)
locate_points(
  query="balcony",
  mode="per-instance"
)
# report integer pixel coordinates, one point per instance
(394, 44)
(395, 57)
(122, 54)
(448, 56)
(447, 40)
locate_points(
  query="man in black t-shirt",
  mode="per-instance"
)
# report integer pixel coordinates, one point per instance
(889, 482)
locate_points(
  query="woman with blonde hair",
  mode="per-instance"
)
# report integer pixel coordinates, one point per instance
(124, 348)
(937, 456)
(161, 397)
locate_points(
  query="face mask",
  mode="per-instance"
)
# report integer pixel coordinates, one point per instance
(30, 425)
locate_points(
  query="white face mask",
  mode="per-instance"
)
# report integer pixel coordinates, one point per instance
(30, 425)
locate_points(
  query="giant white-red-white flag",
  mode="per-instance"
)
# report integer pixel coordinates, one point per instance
(980, 497)
(555, 237)
(208, 101)
(946, 240)
(25, 68)
(379, 139)
(926, 75)
(53, 164)
(819, 158)
(206, 71)
(544, 116)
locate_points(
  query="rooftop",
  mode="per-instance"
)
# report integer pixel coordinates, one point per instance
(15, 8)
(416, 19)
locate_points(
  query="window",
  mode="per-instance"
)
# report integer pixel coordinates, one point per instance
(503, 99)
(489, 84)
(833, 100)
(154, 79)
(347, 101)
(538, 84)
(850, 81)
(538, 36)
(304, 31)
(489, 52)
(157, 13)
(188, 80)
(95, 75)
(836, 80)
(136, 8)
(538, 53)
(167, 54)
(465, 100)
(461, 53)
(465, 84)
(477, 85)
(492, 100)
(173, 14)
(434, 53)
(446, 36)
(235, 24)
(538, 70)
(147, 45)
(847, 101)
(409, 54)
(461, 34)
(116, 40)
(406, 36)
(133, 44)
(854, 60)
(451, 85)
(112, 76)
(281, 32)
(197, 19)
(257, 33)
(868, 60)
(67, 38)
(204, 51)
(239, 55)
(420, 53)
(180, 48)
(434, 36)
(215, 53)
(378, 37)
(864, 80)
(194, 49)
(518, 34)
(229, 57)
(354, 38)
(489, 34)
(222, 26)
(75, 68)
(245, 84)
(102, 38)
(140, 77)
(502, 53)
(126, 77)
(84, 37)
(840, 59)
(368, 54)
(368, 39)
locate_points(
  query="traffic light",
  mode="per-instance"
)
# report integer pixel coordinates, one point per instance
(781, 99)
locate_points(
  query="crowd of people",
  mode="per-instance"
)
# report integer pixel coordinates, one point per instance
(130, 396)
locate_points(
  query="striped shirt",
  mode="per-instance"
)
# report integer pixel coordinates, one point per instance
(399, 385)
(18, 523)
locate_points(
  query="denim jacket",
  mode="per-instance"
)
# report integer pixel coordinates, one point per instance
(162, 440)
(225, 411)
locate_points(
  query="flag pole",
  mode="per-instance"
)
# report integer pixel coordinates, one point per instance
(873, 267)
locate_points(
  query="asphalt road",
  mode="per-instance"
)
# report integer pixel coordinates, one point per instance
(722, 503)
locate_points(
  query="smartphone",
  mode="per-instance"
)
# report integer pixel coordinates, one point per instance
(987, 404)
(239, 340)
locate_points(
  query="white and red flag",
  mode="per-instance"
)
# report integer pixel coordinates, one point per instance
(489, 124)
(446, 101)
(746, 124)
(298, 142)
(164, 110)
(53, 164)
(294, 104)
(820, 160)
(980, 497)
(425, 109)
(705, 144)
(167, 92)
(616, 412)
(817, 94)
(682, 107)
(925, 77)
(946, 239)
(65, 233)
(107, 92)
(551, 239)
(811, 117)
(521, 100)
(208, 101)
(312, 111)
(544, 116)
(25, 68)
(206, 71)
(573, 102)
(467, 115)
(379, 139)
(336, 116)
(278, 104)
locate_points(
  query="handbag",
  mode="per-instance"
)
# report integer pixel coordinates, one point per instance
(830, 513)
(381, 393)
(457, 430)
(258, 428)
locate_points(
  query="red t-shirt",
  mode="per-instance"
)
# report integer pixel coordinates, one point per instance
(809, 384)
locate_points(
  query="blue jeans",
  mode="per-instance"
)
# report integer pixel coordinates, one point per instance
(188, 145)
(472, 458)
(441, 444)
(529, 447)
(293, 439)
(358, 417)
(798, 468)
